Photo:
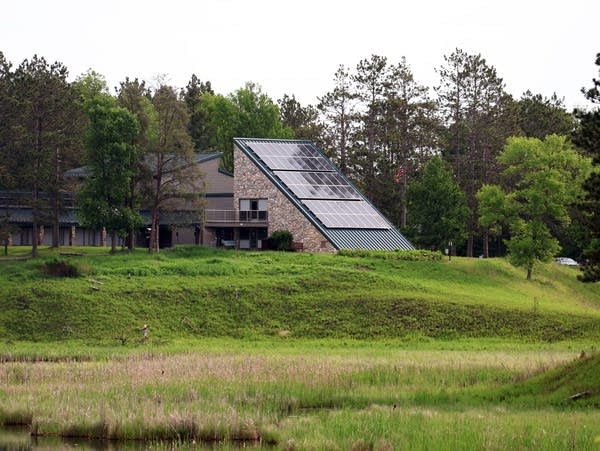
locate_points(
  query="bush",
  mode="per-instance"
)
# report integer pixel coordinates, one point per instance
(411, 256)
(281, 240)
(60, 268)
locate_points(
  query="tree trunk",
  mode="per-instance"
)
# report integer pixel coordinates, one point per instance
(529, 270)
(154, 232)
(131, 239)
(36, 175)
(470, 245)
(486, 244)
(404, 209)
(113, 244)
(56, 206)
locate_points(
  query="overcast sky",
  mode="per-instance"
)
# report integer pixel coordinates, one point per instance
(295, 47)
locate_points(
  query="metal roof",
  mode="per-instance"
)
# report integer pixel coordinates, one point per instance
(199, 158)
(340, 237)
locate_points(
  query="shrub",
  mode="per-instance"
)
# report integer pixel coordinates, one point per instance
(412, 256)
(281, 240)
(60, 268)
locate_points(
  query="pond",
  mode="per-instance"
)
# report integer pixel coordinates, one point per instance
(17, 438)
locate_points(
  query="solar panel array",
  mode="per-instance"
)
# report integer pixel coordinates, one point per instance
(318, 184)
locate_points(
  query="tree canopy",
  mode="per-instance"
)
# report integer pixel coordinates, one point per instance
(545, 179)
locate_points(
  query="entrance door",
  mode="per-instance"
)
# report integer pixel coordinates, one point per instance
(253, 239)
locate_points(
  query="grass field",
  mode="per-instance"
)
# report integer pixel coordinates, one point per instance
(300, 351)
(311, 395)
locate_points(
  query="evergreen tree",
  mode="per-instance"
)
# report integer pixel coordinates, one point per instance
(303, 120)
(193, 96)
(588, 138)
(371, 81)
(409, 138)
(437, 207)
(478, 117)
(339, 110)
(47, 137)
(538, 116)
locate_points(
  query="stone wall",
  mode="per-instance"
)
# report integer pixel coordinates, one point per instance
(250, 183)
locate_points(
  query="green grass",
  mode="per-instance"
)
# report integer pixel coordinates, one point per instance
(194, 292)
(303, 351)
(308, 395)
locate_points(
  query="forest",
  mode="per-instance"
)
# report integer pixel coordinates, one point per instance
(462, 165)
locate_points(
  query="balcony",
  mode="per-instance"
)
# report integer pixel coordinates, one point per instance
(234, 216)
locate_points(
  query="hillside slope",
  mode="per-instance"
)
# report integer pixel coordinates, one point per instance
(190, 291)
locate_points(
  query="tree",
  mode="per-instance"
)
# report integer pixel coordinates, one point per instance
(176, 180)
(546, 178)
(303, 120)
(338, 108)
(103, 199)
(193, 95)
(247, 112)
(437, 207)
(538, 116)
(137, 98)
(371, 81)
(587, 138)
(409, 137)
(478, 117)
(47, 136)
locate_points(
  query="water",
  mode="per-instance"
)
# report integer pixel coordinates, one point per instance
(18, 438)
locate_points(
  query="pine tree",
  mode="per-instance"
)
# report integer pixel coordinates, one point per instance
(588, 138)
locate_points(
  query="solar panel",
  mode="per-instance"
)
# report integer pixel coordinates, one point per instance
(314, 180)
(290, 156)
(347, 214)
(318, 185)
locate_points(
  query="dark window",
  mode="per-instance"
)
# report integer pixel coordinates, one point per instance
(253, 209)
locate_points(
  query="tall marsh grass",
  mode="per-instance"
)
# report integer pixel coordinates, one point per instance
(276, 397)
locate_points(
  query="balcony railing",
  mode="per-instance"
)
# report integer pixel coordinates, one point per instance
(225, 216)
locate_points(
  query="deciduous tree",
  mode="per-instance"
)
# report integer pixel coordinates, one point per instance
(546, 178)
(103, 201)
(176, 179)
(247, 112)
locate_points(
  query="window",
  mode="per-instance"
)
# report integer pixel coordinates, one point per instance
(253, 209)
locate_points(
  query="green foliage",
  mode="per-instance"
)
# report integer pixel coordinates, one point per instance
(587, 137)
(546, 179)
(437, 207)
(103, 201)
(247, 112)
(281, 240)
(539, 116)
(409, 256)
(198, 126)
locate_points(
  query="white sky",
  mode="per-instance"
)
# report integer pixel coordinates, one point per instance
(295, 47)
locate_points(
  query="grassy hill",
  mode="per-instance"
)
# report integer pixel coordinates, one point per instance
(197, 292)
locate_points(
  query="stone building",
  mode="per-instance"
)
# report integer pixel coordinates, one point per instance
(276, 185)
(291, 185)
